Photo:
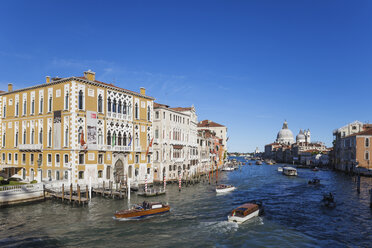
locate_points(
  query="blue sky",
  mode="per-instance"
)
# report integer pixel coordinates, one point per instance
(246, 64)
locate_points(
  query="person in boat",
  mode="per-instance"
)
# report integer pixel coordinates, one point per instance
(145, 205)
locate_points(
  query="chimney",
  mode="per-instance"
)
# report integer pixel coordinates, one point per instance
(90, 75)
(142, 91)
(10, 87)
(47, 79)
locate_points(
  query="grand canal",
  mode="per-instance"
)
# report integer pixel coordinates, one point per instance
(293, 216)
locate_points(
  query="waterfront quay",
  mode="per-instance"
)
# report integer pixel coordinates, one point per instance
(293, 215)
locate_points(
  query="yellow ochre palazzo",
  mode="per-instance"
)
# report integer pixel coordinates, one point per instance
(76, 129)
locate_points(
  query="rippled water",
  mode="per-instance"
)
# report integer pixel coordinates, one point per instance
(293, 216)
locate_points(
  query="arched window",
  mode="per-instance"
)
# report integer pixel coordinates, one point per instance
(114, 106)
(137, 140)
(32, 136)
(24, 137)
(148, 113)
(100, 104)
(119, 139)
(170, 167)
(119, 107)
(50, 104)
(367, 142)
(16, 139)
(136, 110)
(66, 101)
(41, 136)
(108, 138)
(367, 155)
(109, 104)
(50, 137)
(81, 100)
(17, 109)
(114, 143)
(33, 106)
(157, 155)
(4, 138)
(66, 136)
(80, 131)
(41, 105)
(148, 139)
(100, 140)
(125, 139)
(125, 108)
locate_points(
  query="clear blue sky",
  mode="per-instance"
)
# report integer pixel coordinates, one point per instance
(246, 64)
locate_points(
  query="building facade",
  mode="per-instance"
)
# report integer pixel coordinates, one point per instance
(76, 129)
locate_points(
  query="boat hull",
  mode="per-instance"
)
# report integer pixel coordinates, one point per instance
(225, 190)
(137, 214)
(240, 220)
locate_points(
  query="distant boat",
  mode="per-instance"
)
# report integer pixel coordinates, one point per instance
(258, 162)
(223, 188)
(315, 169)
(280, 169)
(143, 210)
(245, 212)
(315, 181)
(152, 192)
(289, 171)
(228, 168)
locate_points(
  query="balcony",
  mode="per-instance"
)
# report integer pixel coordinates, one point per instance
(137, 149)
(121, 148)
(30, 147)
(178, 160)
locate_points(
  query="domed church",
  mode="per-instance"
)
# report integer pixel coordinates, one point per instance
(285, 135)
(303, 136)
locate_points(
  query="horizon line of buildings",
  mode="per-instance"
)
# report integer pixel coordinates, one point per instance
(80, 129)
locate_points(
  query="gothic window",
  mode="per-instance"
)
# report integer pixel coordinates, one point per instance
(109, 104)
(50, 137)
(16, 139)
(148, 113)
(100, 141)
(17, 109)
(119, 107)
(41, 105)
(119, 139)
(100, 104)
(137, 140)
(32, 136)
(125, 108)
(50, 104)
(24, 107)
(66, 136)
(114, 106)
(24, 136)
(367, 142)
(136, 110)
(108, 138)
(125, 139)
(81, 100)
(33, 106)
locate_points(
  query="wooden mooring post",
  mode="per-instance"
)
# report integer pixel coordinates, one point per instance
(87, 192)
(78, 192)
(70, 192)
(63, 192)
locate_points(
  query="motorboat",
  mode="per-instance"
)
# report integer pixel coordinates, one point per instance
(315, 169)
(329, 200)
(245, 212)
(280, 169)
(228, 168)
(289, 171)
(315, 181)
(258, 162)
(143, 210)
(223, 188)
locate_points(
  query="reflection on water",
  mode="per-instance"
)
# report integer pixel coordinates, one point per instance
(293, 216)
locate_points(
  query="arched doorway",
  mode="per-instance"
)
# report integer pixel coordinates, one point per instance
(119, 171)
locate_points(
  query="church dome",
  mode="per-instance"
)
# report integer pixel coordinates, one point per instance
(285, 135)
(300, 137)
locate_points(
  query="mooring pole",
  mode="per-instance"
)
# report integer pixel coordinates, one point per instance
(128, 188)
(63, 192)
(165, 182)
(70, 192)
(179, 182)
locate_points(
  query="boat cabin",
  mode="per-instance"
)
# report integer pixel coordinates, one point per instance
(244, 210)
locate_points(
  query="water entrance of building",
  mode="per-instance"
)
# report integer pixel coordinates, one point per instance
(119, 171)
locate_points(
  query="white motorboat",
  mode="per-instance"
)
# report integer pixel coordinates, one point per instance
(223, 188)
(289, 171)
(228, 169)
(280, 169)
(245, 212)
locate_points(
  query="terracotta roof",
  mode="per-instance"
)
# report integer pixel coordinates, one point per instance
(208, 123)
(272, 144)
(182, 109)
(365, 132)
(158, 105)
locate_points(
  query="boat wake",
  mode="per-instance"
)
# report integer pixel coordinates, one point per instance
(219, 226)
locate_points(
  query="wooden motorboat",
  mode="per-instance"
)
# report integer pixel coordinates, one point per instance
(289, 171)
(223, 188)
(144, 210)
(280, 169)
(245, 212)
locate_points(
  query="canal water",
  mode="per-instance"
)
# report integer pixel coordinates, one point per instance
(293, 216)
